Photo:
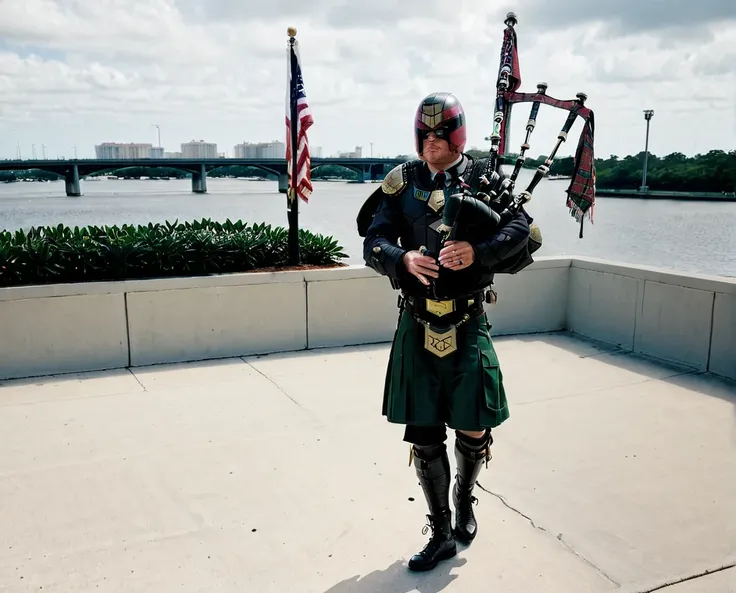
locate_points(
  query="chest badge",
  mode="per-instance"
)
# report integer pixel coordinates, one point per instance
(436, 199)
(422, 195)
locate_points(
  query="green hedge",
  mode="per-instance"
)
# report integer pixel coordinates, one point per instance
(62, 254)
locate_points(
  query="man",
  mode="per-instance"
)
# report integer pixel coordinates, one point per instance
(443, 370)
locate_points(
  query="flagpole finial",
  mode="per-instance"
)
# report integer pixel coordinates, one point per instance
(291, 31)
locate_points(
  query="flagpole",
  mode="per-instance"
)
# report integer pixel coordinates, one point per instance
(292, 201)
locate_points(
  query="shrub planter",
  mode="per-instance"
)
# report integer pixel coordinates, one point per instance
(50, 255)
(105, 297)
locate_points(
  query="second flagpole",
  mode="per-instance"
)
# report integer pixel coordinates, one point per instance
(292, 207)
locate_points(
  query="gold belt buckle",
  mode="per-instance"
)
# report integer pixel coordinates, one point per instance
(440, 308)
(440, 343)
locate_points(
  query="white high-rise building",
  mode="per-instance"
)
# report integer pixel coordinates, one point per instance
(260, 150)
(199, 150)
(355, 154)
(115, 150)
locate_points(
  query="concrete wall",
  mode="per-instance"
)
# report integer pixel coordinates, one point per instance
(349, 306)
(102, 325)
(215, 322)
(533, 301)
(82, 327)
(723, 342)
(59, 334)
(683, 318)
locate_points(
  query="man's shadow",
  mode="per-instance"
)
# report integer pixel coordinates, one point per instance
(397, 578)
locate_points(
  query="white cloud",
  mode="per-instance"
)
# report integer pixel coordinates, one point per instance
(624, 16)
(84, 72)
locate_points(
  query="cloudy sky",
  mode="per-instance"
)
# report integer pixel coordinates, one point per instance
(81, 72)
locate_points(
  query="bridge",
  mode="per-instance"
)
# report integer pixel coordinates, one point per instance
(75, 169)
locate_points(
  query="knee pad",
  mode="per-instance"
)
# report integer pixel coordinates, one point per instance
(427, 442)
(429, 452)
(471, 446)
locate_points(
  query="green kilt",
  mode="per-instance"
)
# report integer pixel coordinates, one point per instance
(463, 390)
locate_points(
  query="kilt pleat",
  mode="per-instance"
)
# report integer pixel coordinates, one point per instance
(463, 390)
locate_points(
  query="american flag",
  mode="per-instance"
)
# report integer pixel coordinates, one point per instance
(296, 96)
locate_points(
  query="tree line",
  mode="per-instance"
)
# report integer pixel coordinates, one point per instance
(714, 171)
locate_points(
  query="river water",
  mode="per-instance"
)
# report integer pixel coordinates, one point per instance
(693, 237)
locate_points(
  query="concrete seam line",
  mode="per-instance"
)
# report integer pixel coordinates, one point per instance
(137, 379)
(568, 296)
(127, 325)
(639, 286)
(704, 573)
(559, 538)
(712, 325)
(640, 311)
(270, 380)
(588, 393)
(306, 313)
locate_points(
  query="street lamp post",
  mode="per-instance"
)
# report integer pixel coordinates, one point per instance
(648, 114)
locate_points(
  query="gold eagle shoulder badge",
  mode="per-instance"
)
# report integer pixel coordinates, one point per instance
(395, 181)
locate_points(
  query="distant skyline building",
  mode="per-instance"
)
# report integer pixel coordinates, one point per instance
(116, 150)
(260, 150)
(267, 150)
(356, 154)
(199, 150)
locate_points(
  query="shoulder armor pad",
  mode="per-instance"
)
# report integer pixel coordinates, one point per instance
(395, 181)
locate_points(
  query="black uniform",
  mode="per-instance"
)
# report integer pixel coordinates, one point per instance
(404, 215)
(443, 370)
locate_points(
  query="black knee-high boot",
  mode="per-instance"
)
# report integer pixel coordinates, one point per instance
(433, 470)
(470, 454)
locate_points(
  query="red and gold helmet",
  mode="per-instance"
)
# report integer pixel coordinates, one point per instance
(442, 114)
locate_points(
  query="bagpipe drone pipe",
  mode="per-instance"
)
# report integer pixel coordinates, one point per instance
(496, 204)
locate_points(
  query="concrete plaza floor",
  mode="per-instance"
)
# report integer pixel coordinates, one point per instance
(278, 473)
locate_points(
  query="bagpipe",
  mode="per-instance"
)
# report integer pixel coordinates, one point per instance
(496, 203)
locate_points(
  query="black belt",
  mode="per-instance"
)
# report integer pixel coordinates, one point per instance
(449, 310)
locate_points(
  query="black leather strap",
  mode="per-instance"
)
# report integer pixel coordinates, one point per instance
(417, 306)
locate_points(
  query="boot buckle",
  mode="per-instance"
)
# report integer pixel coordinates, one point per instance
(427, 527)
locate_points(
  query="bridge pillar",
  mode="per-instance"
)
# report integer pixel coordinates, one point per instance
(199, 181)
(284, 183)
(71, 179)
